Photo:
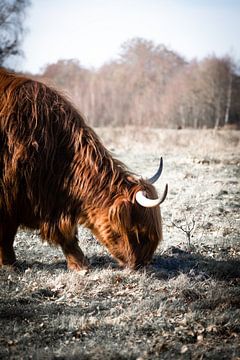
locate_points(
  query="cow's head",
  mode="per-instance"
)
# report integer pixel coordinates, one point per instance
(133, 226)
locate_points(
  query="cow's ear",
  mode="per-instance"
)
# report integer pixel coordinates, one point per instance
(120, 214)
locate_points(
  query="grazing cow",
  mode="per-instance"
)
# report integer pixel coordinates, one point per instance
(55, 174)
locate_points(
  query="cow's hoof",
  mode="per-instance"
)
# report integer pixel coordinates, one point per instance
(80, 267)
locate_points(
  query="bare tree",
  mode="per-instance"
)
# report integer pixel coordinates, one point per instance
(11, 27)
(201, 94)
(231, 76)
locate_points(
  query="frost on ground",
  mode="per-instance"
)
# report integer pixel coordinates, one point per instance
(185, 305)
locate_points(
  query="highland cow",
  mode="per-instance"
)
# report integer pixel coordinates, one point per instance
(55, 174)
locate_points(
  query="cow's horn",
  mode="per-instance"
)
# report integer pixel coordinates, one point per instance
(145, 202)
(155, 177)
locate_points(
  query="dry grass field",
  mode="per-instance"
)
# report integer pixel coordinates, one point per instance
(185, 305)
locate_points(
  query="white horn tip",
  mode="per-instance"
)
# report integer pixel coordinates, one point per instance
(142, 200)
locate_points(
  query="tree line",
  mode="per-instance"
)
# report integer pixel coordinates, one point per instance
(153, 86)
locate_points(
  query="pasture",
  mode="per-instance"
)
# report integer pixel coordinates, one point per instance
(185, 305)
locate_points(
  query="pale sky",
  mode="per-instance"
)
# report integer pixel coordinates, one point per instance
(92, 31)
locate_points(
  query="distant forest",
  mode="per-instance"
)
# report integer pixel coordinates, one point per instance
(150, 85)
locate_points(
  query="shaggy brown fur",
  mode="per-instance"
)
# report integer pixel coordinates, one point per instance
(55, 173)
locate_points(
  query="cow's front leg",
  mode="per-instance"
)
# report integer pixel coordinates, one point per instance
(74, 255)
(8, 231)
(66, 238)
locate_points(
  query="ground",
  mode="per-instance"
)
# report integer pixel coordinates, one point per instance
(185, 305)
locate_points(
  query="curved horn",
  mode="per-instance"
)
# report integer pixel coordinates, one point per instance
(145, 202)
(155, 177)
